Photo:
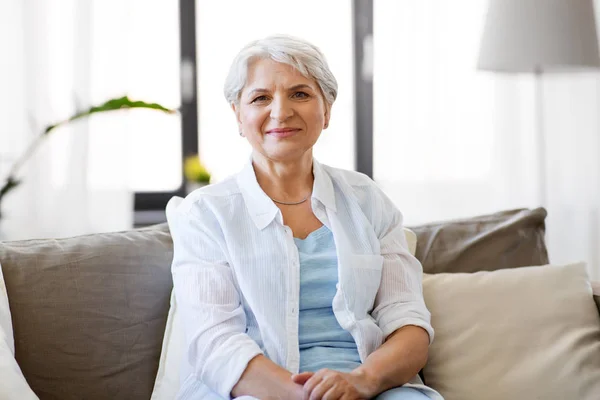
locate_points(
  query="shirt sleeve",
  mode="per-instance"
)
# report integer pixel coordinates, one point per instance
(218, 349)
(399, 301)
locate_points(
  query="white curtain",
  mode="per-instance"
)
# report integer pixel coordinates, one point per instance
(453, 142)
(50, 48)
(62, 55)
(572, 121)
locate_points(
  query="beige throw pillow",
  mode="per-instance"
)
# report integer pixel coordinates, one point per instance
(524, 333)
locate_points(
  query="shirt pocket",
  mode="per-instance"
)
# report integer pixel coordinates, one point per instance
(364, 281)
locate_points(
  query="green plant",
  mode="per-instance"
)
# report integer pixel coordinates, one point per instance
(194, 170)
(115, 104)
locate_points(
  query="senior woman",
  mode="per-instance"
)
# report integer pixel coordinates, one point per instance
(293, 278)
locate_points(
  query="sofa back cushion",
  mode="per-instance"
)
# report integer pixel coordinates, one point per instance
(507, 239)
(89, 312)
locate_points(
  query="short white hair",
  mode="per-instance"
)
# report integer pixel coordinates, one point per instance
(300, 54)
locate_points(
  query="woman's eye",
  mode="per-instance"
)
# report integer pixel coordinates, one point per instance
(300, 95)
(259, 98)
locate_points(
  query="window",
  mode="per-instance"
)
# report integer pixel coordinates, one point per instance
(128, 47)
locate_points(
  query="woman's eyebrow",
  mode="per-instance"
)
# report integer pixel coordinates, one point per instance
(300, 86)
(255, 91)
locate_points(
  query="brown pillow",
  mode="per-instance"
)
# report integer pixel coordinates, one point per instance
(506, 239)
(89, 312)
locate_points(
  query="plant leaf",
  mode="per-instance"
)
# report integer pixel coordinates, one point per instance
(112, 105)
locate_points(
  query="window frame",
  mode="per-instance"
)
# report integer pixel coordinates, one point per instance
(362, 15)
(149, 206)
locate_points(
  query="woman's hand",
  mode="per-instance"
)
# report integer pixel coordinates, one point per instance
(327, 384)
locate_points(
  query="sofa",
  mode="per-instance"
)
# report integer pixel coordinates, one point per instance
(89, 313)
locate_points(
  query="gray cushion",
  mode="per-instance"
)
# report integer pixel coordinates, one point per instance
(506, 239)
(89, 312)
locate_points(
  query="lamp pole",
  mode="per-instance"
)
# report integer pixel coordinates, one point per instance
(541, 138)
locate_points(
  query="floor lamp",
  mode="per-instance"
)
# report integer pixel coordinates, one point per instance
(539, 36)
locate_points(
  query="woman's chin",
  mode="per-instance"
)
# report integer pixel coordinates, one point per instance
(284, 153)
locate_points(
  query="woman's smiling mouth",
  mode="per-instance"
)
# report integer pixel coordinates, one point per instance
(282, 132)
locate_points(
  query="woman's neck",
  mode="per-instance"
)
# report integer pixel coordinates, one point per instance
(285, 181)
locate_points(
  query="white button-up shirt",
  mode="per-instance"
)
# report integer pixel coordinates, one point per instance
(236, 274)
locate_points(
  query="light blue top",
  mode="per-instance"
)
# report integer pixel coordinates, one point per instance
(323, 342)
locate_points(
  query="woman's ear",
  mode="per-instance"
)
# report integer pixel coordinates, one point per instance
(326, 117)
(236, 111)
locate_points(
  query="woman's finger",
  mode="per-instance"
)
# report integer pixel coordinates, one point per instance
(323, 387)
(302, 377)
(309, 386)
(336, 392)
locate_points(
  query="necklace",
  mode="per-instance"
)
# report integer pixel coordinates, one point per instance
(291, 204)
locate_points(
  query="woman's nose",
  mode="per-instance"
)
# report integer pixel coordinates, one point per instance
(281, 109)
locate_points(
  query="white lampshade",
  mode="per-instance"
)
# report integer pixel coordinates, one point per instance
(539, 35)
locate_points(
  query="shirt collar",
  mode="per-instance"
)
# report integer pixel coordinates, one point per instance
(323, 186)
(263, 210)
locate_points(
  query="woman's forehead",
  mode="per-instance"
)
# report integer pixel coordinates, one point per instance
(267, 72)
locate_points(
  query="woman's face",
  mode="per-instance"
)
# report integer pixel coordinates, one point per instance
(280, 112)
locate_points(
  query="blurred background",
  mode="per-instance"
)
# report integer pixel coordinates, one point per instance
(443, 138)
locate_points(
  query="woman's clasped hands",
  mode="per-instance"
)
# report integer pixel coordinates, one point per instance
(327, 384)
